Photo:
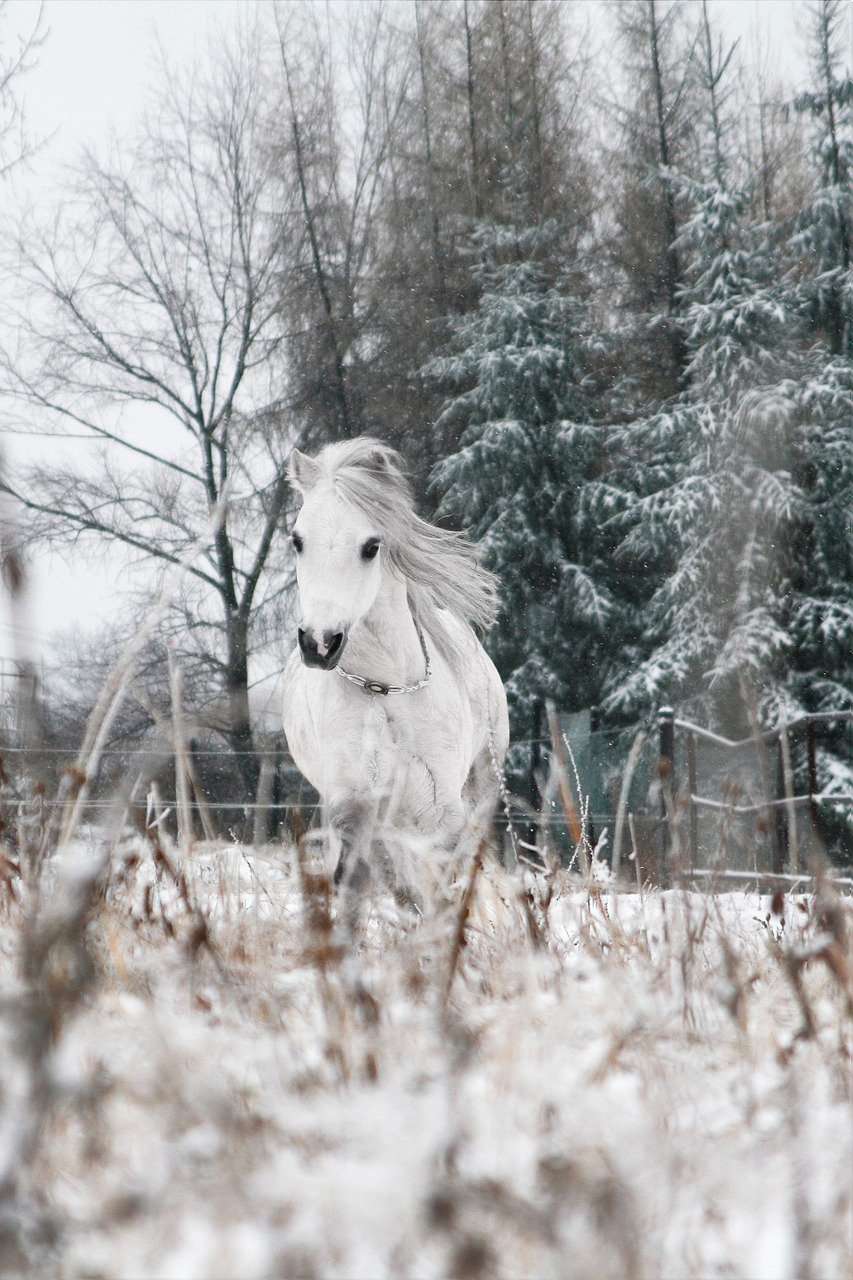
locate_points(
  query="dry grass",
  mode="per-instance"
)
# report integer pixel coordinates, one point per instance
(206, 1076)
(206, 1073)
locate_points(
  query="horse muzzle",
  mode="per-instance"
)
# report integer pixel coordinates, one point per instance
(324, 653)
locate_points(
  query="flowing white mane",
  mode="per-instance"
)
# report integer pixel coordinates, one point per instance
(441, 569)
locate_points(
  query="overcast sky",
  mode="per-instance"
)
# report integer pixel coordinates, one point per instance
(93, 74)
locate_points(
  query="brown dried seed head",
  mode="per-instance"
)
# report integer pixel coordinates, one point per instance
(13, 571)
(472, 1259)
(441, 1209)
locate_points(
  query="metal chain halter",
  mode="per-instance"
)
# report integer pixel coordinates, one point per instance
(377, 687)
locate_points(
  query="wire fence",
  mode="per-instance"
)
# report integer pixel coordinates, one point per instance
(684, 796)
(760, 795)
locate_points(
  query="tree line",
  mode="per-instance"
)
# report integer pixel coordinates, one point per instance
(602, 306)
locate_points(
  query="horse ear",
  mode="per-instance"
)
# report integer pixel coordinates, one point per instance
(302, 471)
(380, 460)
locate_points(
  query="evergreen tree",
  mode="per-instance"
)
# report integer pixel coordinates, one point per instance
(825, 233)
(519, 479)
(739, 491)
(710, 492)
(492, 129)
(821, 614)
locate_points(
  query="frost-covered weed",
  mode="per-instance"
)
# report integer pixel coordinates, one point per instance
(575, 1082)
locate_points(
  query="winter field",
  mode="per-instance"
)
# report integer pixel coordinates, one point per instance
(539, 1077)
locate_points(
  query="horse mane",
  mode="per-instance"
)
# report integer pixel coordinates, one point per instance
(442, 569)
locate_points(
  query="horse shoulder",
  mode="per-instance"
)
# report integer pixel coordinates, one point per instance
(498, 711)
(299, 727)
(478, 674)
(325, 723)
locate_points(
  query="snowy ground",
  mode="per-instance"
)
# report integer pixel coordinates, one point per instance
(198, 1083)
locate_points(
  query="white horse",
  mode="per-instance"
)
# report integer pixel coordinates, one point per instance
(392, 708)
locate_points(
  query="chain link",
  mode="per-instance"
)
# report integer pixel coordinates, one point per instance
(378, 687)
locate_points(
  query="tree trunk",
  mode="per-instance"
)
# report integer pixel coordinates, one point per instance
(472, 118)
(438, 289)
(837, 325)
(672, 266)
(538, 184)
(345, 427)
(239, 730)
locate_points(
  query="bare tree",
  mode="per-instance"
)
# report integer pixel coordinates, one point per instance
(655, 120)
(16, 58)
(773, 143)
(491, 130)
(149, 325)
(340, 98)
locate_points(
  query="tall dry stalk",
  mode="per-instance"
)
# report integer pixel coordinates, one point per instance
(458, 942)
(77, 783)
(324, 954)
(181, 749)
(567, 800)
(624, 793)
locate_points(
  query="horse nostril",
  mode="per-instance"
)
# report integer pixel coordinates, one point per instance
(320, 653)
(334, 644)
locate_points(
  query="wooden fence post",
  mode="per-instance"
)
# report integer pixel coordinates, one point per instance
(263, 799)
(791, 825)
(666, 768)
(781, 858)
(183, 809)
(812, 754)
(692, 782)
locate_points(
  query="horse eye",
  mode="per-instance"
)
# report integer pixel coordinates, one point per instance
(297, 541)
(370, 549)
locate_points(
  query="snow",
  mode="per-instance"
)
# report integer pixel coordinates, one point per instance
(617, 1083)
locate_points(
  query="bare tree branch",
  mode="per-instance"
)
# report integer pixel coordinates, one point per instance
(158, 286)
(16, 147)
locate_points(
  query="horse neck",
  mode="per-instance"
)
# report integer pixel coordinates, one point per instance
(384, 645)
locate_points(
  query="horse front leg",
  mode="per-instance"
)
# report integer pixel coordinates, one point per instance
(351, 825)
(362, 855)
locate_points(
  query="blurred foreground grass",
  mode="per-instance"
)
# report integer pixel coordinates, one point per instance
(202, 1076)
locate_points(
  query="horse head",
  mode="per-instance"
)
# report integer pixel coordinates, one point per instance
(339, 560)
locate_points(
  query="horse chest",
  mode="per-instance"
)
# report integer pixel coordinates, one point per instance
(409, 744)
(385, 733)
